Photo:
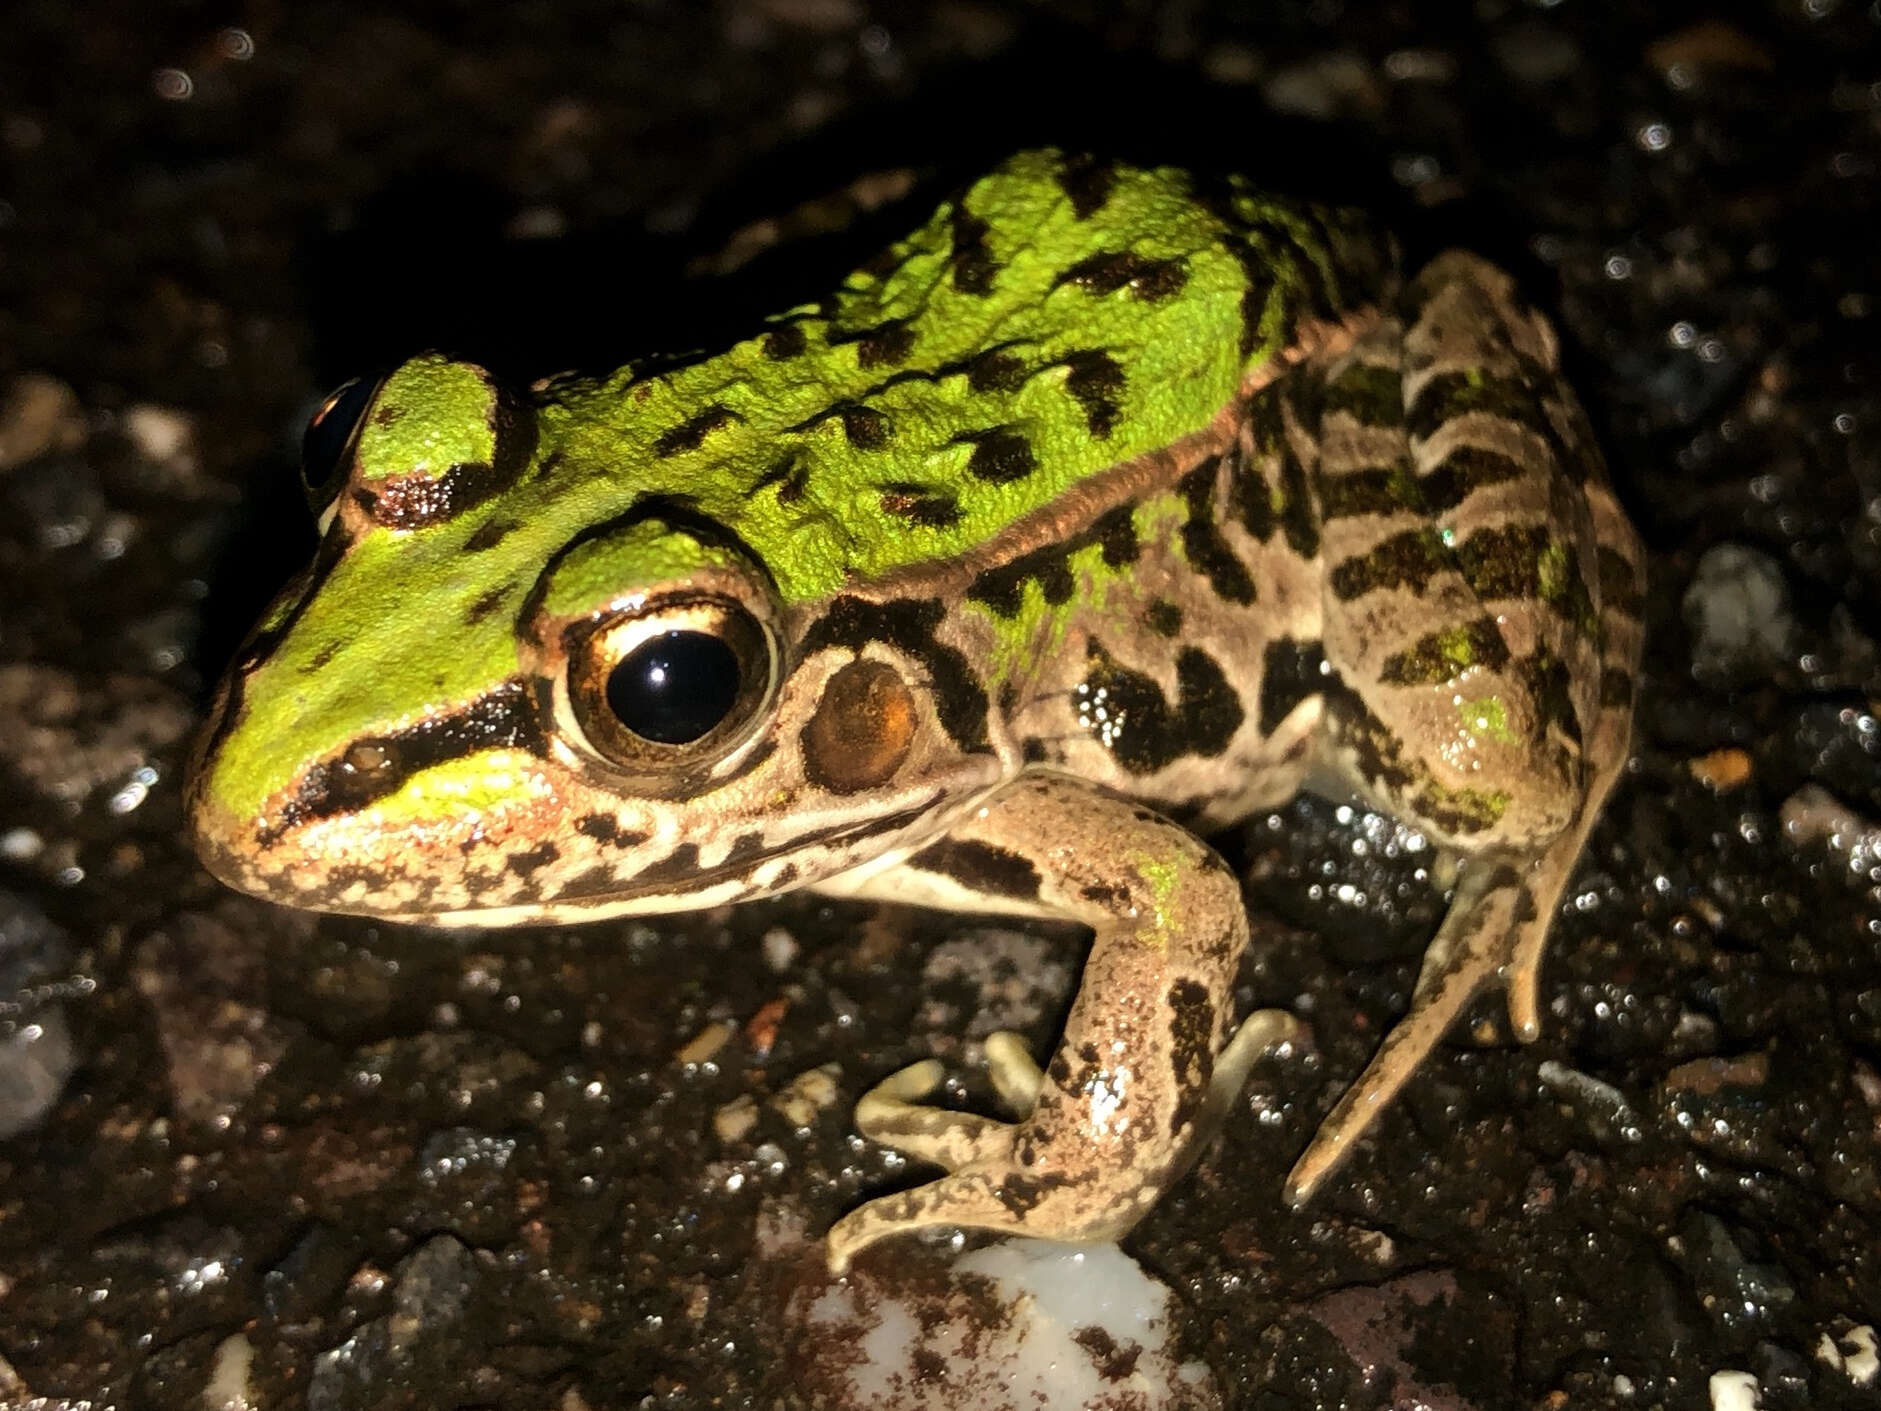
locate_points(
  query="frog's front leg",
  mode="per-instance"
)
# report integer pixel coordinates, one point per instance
(1145, 1067)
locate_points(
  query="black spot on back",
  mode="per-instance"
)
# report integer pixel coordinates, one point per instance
(489, 534)
(485, 604)
(1000, 455)
(690, 434)
(1145, 278)
(924, 505)
(885, 345)
(1095, 381)
(996, 371)
(1087, 181)
(971, 259)
(784, 342)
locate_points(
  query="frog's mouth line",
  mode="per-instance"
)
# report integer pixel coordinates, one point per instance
(677, 879)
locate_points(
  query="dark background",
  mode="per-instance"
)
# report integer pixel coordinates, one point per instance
(211, 213)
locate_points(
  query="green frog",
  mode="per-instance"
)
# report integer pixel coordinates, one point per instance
(1107, 508)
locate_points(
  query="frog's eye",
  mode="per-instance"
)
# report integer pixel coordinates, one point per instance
(673, 685)
(326, 447)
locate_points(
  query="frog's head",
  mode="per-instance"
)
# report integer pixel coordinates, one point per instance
(520, 682)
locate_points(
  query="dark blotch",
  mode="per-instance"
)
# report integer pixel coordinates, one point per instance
(1619, 583)
(981, 867)
(1163, 618)
(690, 434)
(1095, 381)
(1407, 560)
(486, 604)
(605, 829)
(1299, 521)
(1087, 181)
(784, 342)
(1202, 542)
(1152, 734)
(1371, 394)
(1192, 1040)
(922, 505)
(1448, 395)
(1002, 588)
(996, 372)
(524, 864)
(1291, 671)
(489, 534)
(680, 865)
(505, 718)
(322, 658)
(865, 428)
(1551, 687)
(886, 345)
(1147, 279)
(1000, 455)
(1250, 493)
(972, 261)
(1439, 657)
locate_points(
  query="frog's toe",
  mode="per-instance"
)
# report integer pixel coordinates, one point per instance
(1472, 950)
(960, 1199)
(893, 1114)
(1003, 1196)
(1016, 1076)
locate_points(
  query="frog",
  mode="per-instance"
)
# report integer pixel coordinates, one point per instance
(1109, 508)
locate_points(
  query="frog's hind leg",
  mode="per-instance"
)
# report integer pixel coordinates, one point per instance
(1483, 594)
(1146, 1065)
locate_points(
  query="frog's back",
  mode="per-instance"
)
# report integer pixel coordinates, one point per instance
(1059, 317)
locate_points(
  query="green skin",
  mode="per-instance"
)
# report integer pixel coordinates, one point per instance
(1107, 498)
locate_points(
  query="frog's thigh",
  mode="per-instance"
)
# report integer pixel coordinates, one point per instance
(1141, 1067)
(1468, 535)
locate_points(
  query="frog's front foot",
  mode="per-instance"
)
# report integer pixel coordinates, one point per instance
(1040, 1175)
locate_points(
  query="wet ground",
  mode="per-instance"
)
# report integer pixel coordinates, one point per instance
(320, 1162)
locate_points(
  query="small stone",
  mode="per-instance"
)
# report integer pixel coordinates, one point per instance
(1710, 44)
(38, 415)
(703, 1046)
(1721, 771)
(1738, 609)
(1733, 1391)
(809, 1094)
(1331, 86)
(733, 1122)
(780, 949)
(1019, 1324)
(1705, 1077)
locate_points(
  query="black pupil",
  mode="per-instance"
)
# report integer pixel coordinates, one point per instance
(324, 444)
(675, 687)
